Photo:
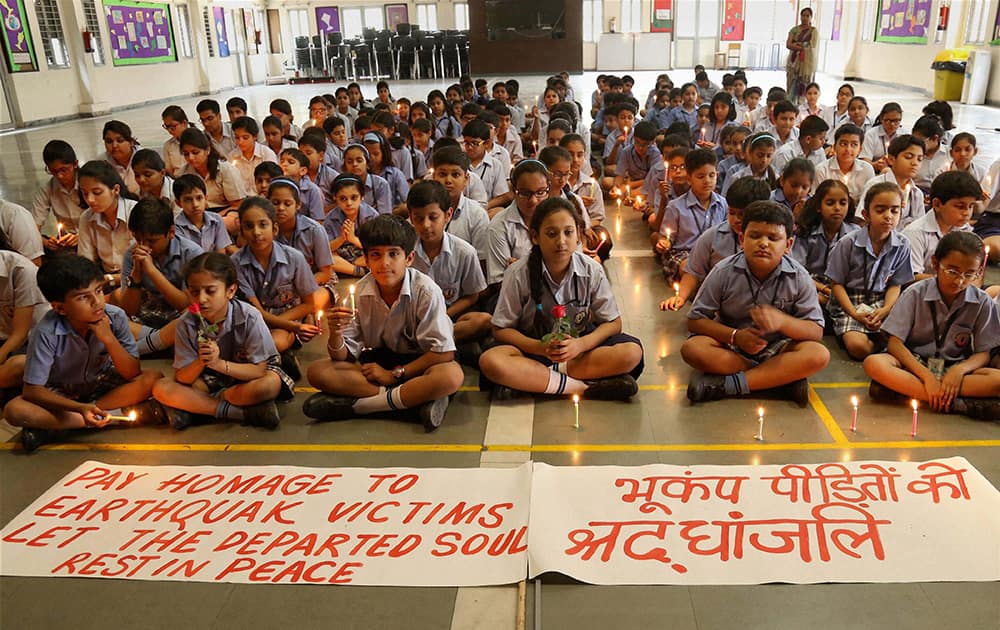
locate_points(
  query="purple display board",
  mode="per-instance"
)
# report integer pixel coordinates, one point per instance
(17, 46)
(838, 16)
(996, 29)
(903, 21)
(396, 14)
(219, 22)
(139, 32)
(327, 20)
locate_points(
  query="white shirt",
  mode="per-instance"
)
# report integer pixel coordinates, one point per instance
(18, 289)
(19, 226)
(913, 204)
(455, 269)
(470, 222)
(493, 175)
(246, 167)
(924, 235)
(106, 244)
(856, 180)
(791, 150)
(66, 205)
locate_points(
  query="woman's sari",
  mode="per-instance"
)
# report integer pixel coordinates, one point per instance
(801, 68)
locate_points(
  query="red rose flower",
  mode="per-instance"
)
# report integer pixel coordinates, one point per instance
(559, 311)
(195, 308)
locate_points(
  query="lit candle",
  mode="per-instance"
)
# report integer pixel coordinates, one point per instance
(59, 227)
(354, 310)
(702, 134)
(638, 200)
(319, 321)
(604, 237)
(677, 290)
(576, 411)
(986, 261)
(628, 190)
(760, 425)
(668, 236)
(129, 418)
(619, 204)
(666, 171)
(534, 146)
(430, 171)
(854, 420)
(625, 131)
(913, 431)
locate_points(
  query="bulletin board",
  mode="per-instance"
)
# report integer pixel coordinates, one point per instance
(663, 17)
(903, 21)
(733, 21)
(17, 46)
(139, 32)
(219, 23)
(327, 20)
(996, 29)
(396, 14)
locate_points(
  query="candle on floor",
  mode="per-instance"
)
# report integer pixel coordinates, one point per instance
(760, 425)
(854, 419)
(913, 431)
(576, 410)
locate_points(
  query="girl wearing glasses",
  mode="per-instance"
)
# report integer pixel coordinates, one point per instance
(175, 121)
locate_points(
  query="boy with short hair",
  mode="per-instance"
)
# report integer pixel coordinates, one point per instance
(195, 222)
(624, 115)
(383, 358)
(670, 183)
(475, 137)
(335, 129)
(904, 156)
(784, 115)
(219, 133)
(468, 221)
(636, 160)
(295, 166)
(82, 366)
(507, 135)
(953, 196)
(236, 107)
(422, 131)
(451, 262)
(706, 89)
(756, 323)
(809, 145)
(659, 113)
(60, 195)
(313, 145)
(734, 153)
(845, 165)
(762, 119)
(942, 331)
(262, 176)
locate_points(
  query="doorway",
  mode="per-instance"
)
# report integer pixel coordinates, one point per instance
(696, 32)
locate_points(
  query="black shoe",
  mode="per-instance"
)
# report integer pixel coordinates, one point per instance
(148, 412)
(327, 408)
(880, 393)
(978, 408)
(705, 387)
(468, 354)
(432, 413)
(290, 365)
(798, 391)
(264, 415)
(180, 419)
(621, 387)
(31, 439)
(502, 393)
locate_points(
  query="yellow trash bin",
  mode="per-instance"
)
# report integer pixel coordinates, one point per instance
(949, 73)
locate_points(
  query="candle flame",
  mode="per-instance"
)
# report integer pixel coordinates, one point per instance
(576, 399)
(760, 412)
(913, 403)
(132, 416)
(319, 316)
(351, 289)
(854, 401)
(59, 226)
(604, 237)
(677, 287)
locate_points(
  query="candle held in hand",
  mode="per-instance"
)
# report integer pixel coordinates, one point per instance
(354, 309)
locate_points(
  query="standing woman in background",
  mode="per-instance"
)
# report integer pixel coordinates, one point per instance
(801, 68)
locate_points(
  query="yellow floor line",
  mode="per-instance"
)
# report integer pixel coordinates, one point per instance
(646, 388)
(824, 415)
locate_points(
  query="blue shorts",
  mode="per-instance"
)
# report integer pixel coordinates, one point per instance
(613, 340)
(106, 381)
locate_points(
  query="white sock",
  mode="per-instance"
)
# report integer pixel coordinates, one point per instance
(562, 384)
(384, 400)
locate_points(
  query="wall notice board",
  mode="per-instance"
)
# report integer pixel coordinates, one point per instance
(903, 21)
(139, 32)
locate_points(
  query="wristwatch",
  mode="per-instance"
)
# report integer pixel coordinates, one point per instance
(399, 373)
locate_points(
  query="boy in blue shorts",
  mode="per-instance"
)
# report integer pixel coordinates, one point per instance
(388, 359)
(82, 366)
(756, 323)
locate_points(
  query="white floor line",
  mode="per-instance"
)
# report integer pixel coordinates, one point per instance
(495, 607)
(631, 253)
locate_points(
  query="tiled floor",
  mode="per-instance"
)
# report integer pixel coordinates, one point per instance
(660, 415)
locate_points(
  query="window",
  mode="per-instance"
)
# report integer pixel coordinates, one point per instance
(235, 41)
(209, 29)
(374, 18)
(299, 21)
(184, 32)
(354, 20)
(461, 16)
(261, 24)
(631, 21)
(771, 21)
(975, 31)
(427, 17)
(94, 28)
(50, 28)
(593, 20)
(869, 14)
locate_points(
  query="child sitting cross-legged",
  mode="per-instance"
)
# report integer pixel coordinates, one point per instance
(756, 323)
(81, 366)
(942, 332)
(396, 351)
(559, 291)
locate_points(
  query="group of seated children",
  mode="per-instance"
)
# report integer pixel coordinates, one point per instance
(467, 252)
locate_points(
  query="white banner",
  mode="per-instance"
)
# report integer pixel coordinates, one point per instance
(854, 522)
(277, 525)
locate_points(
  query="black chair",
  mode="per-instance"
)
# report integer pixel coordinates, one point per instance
(427, 58)
(362, 66)
(406, 58)
(462, 41)
(451, 62)
(384, 61)
(403, 29)
(336, 60)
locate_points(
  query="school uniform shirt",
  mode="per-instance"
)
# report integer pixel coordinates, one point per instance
(991, 186)
(730, 290)
(587, 187)
(509, 237)
(312, 200)
(324, 181)
(512, 142)
(612, 141)
(282, 285)
(223, 189)
(261, 154)
(812, 250)
(687, 219)
(746, 116)
(793, 138)
(125, 172)
(502, 157)
(974, 169)
(212, 236)
(876, 144)
(711, 247)
(632, 166)
(377, 193)
(310, 238)
(449, 127)
(398, 186)
(804, 111)
(924, 235)
(856, 180)
(968, 326)
(172, 157)
(706, 93)
(102, 243)
(419, 163)
(494, 176)
(721, 170)
(470, 222)
(333, 156)
(475, 189)
(713, 132)
(913, 203)
(179, 253)
(18, 289)
(226, 144)
(791, 150)
(456, 268)
(778, 196)
(333, 222)
(417, 322)
(854, 265)
(426, 152)
(744, 170)
(833, 119)
(584, 286)
(930, 167)
(518, 117)
(657, 116)
(19, 226)
(243, 337)
(57, 356)
(401, 160)
(66, 205)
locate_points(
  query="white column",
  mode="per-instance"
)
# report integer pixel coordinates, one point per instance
(81, 63)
